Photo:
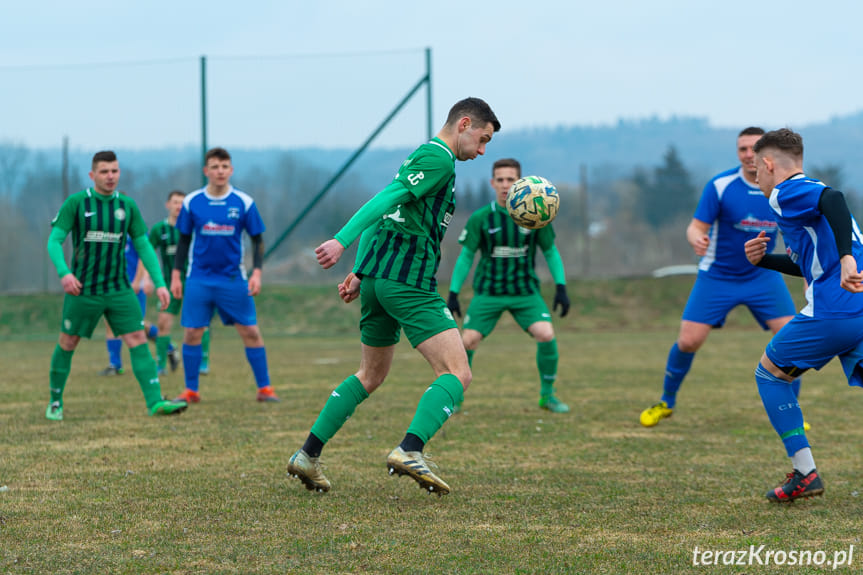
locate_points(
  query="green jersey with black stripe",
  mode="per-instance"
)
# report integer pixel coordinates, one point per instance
(164, 238)
(98, 225)
(406, 246)
(507, 252)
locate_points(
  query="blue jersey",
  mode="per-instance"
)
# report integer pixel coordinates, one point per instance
(810, 243)
(216, 226)
(131, 259)
(736, 211)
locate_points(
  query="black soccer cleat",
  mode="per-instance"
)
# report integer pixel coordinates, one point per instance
(797, 486)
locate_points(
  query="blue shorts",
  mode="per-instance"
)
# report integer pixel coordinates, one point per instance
(806, 342)
(711, 299)
(229, 297)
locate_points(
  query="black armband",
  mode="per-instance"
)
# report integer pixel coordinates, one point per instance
(182, 253)
(780, 263)
(257, 251)
(832, 204)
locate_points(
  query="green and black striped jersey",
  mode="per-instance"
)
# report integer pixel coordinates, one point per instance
(406, 247)
(99, 225)
(164, 238)
(507, 252)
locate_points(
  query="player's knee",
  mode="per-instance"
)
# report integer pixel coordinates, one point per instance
(471, 338)
(689, 345)
(464, 375)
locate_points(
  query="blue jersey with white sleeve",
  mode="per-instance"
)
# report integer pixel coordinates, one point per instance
(810, 243)
(216, 225)
(736, 211)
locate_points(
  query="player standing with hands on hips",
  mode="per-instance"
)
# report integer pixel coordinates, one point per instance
(394, 275)
(505, 280)
(213, 219)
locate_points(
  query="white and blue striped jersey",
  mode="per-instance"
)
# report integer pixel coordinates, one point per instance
(810, 243)
(736, 212)
(216, 226)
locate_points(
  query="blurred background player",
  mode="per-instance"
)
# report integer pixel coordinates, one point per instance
(213, 220)
(731, 211)
(823, 244)
(505, 280)
(394, 275)
(100, 219)
(164, 238)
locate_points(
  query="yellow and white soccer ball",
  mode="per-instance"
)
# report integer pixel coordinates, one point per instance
(532, 202)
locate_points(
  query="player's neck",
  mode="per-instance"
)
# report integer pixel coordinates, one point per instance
(749, 179)
(218, 191)
(172, 220)
(102, 192)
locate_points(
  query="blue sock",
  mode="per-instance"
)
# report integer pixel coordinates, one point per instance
(795, 387)
(676, 368)
(191, 364)
(257, 357)
(152, 332)
(114, 346)
(171, 346)
(782, 409)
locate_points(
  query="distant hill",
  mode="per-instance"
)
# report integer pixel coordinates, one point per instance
(608, 152)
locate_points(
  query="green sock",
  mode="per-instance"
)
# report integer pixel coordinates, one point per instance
(339, 408)
(546, 363)
(144, 369)
(205, 348)
(470, 353)
(436, 405)
(61, 364)
(162, 343)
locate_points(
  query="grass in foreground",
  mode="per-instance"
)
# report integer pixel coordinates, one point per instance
(111, 490)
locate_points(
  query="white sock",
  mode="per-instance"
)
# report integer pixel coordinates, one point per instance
(803, 461)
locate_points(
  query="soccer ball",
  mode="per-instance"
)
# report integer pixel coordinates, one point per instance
(532, 202)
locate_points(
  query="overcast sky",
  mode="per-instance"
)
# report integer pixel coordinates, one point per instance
(325, 73)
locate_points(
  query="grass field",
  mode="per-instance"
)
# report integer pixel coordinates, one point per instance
(110, 490)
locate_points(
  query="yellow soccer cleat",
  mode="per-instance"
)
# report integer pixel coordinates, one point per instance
(655, 413)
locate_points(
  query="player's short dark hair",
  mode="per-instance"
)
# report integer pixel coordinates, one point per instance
(751, 131)
(104, 156)
(173, 193)
(507, 163)
(217, 153)
(784, 140)
(475, 109)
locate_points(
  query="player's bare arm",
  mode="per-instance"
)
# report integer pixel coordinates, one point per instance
(756, 248)
(329, 253)
(852, 279)
(255, 282)
(70, 284)
(176, 284)
(696, 235)
(349, 290)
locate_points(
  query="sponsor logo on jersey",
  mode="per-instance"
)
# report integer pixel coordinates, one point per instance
(214, 229)
(88, 214)
(396, 216)
(494, 230)
(509, 252)
(104, 237)
(234, 213)
(120, 214)
(447, 218)
(752, 224)
(171, 250)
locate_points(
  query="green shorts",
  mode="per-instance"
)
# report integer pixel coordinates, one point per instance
(122, 311)
(174, 307)
(389, 306)
(485, 310)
